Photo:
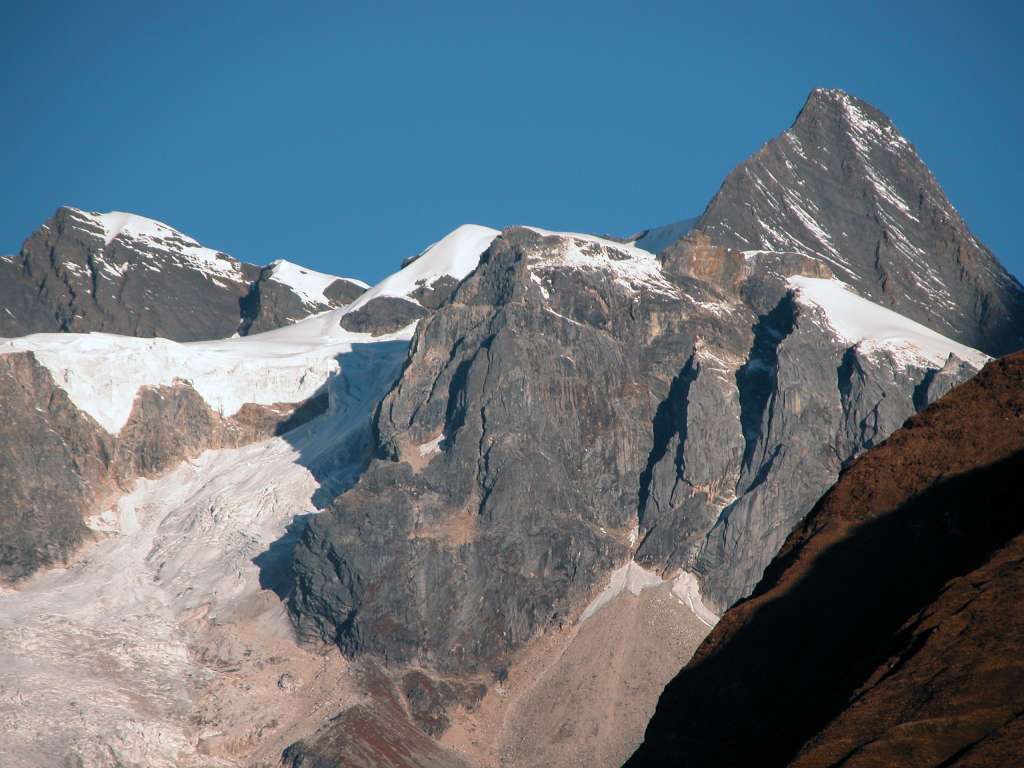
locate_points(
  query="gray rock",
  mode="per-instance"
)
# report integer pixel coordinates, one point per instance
(381, 315)
(74, 281)
(549, 407)
(270, 304)
(844, 186)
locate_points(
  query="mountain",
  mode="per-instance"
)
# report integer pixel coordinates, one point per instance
(121, 273)
(885, 632)
(480, 513)
(579, 413)
(842, 184)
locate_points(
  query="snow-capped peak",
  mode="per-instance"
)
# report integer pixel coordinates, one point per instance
(132, 227)
(856, 320)
(116, 223)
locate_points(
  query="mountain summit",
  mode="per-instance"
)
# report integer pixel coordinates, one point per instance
(123, 273)
(842, 184)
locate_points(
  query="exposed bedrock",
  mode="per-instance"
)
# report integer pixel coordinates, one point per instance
(568, 393)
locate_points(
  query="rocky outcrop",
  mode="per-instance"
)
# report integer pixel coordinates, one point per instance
(883, 633)
(382, 315)
(58, 466)
(575, 405)
(844, 186)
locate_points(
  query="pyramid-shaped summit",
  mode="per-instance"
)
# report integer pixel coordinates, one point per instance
(844, 185)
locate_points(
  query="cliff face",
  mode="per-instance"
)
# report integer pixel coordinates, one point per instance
(883, 633)
(843, 185)
(577, 404)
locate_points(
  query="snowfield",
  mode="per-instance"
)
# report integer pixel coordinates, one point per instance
(103, 372)
(857, 320)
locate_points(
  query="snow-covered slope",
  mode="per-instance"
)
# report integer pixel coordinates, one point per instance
(626, 264)
(455, 256)
(102, 372)
(307, 284)
(857, 320)
(129, 228)
(657, 239)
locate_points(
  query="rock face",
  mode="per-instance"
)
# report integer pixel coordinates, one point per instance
(384, 314)
(58, 466)
(884, 631)
(125, 274)
(843, 185)
(577, 403)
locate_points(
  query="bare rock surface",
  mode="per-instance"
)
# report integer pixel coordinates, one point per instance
(843, 185)
(883, 633)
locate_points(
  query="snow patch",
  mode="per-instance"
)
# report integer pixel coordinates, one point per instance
(659, 238)
(630, 577)
(432, 447)
(857, 320)
(687, 590)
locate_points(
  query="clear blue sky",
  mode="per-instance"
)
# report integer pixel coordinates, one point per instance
(346, 135)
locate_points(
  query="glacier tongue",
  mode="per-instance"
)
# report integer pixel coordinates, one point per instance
(107, 662)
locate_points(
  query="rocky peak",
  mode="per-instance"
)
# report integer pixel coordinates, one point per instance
(844, 186)
(122, 273)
